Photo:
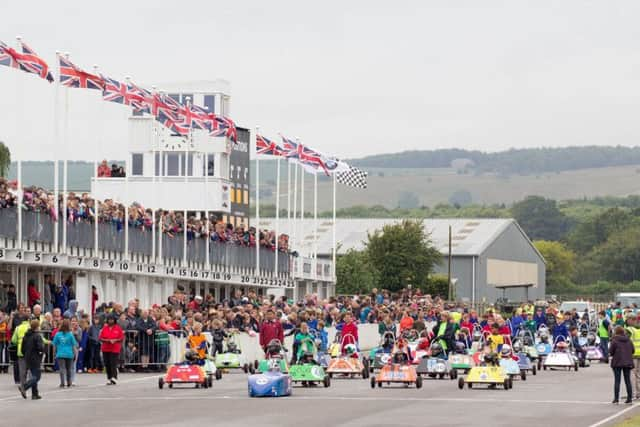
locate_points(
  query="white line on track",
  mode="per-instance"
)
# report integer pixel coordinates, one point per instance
(81, 388)
(317, 398)
(614, 416)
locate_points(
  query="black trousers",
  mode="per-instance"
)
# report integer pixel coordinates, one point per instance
(33, 381)
(110, 364)
(626, 373)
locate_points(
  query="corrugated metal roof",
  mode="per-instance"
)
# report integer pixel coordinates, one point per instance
(470, 237)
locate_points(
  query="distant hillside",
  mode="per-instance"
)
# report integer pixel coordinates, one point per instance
(525, 161)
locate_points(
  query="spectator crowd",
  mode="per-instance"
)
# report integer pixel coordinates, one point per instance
(81, 208)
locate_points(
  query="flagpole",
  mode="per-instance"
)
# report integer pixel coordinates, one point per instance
(20, 112)
(160, 179)
(56, 169)
(315, 225)
(301, 235)
(257, 226)
(96, 202)
(288, 194)
(186, 180)
(64, 167)
(294, 225)
(277, 212)
(333, 237)
(154, 152)
(207, 265)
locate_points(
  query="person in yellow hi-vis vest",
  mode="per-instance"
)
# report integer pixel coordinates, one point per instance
(634, 334)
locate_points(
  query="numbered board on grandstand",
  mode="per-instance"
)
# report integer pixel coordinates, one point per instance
(83, 263)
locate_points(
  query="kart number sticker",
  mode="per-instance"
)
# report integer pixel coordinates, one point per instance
(261, 381)
(316, 371)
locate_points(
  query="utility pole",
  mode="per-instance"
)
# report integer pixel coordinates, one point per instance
(449, 268)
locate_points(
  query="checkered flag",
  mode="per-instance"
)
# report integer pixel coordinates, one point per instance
(353, 177)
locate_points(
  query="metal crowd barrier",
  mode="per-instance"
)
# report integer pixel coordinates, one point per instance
(39, 227)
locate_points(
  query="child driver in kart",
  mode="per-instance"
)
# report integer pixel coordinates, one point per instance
(496, 340)
(198, 342)
(349, 332)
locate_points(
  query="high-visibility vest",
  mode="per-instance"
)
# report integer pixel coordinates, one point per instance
(635, 339)
(602, 330)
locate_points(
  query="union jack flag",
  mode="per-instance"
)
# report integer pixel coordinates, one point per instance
(72, 76)
(141, 98)
(32, 63)
(304, 155)
(173, 123)
(226, 128)
(115, 91)
(8, 56)
(195, 117)
(267, 147)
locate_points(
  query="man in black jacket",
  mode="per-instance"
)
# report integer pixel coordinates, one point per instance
(445, 332)
(33, 349)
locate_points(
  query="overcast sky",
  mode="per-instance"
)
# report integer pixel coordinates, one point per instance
(349, 78)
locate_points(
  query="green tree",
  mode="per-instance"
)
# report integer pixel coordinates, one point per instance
(560, 263)
(355, 274)
(5, 159)
(540, 218)
(403, 254)
(596, 230)
(618, 259)
(461, 198)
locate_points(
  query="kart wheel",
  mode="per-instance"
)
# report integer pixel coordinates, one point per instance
(365, 373)
(326, 381)
(534, 371)
(419, 382)
(245, 368)
(197, 385)
(252, 370)
(432, 375)
(256, 364)
(441, 376)
(523, 375)
(160, 383)
(209, 382)
(330, 375)
(506, 384)
(371, 369)
(510, 383)
(170, 385)
(365, 363)
(461, 383)
(379, 384)
(218, 375)
(373, 382)
(469, 385)
(576, 366)
(539, 364)
(544, 367)
(453, 374)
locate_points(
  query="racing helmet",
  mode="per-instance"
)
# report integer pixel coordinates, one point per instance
(491, 358)
(274, 365)
(274, 347)
(477, 335)
(350, 349)
(591, 339)
(436, 348)
(562, 345)
(506, 350)
(191, 355)
(517, 347)
(232, 347)
(544, 335)
(461, 348)
(527, 340)
(387, 341)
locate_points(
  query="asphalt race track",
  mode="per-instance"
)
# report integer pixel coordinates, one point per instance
(551, 398)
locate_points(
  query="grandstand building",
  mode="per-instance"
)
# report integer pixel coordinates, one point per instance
(491, 258)
(199, 175)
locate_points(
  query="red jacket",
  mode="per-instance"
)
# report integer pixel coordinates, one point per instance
(34, 295)
(271, 331)
(349, 329)
(111, 333)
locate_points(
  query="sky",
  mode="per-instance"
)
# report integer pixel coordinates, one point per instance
(349, 78)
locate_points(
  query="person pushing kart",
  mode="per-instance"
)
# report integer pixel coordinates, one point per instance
(580, 351)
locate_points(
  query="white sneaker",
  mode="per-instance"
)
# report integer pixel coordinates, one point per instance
(113, 381)
(109, 382)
